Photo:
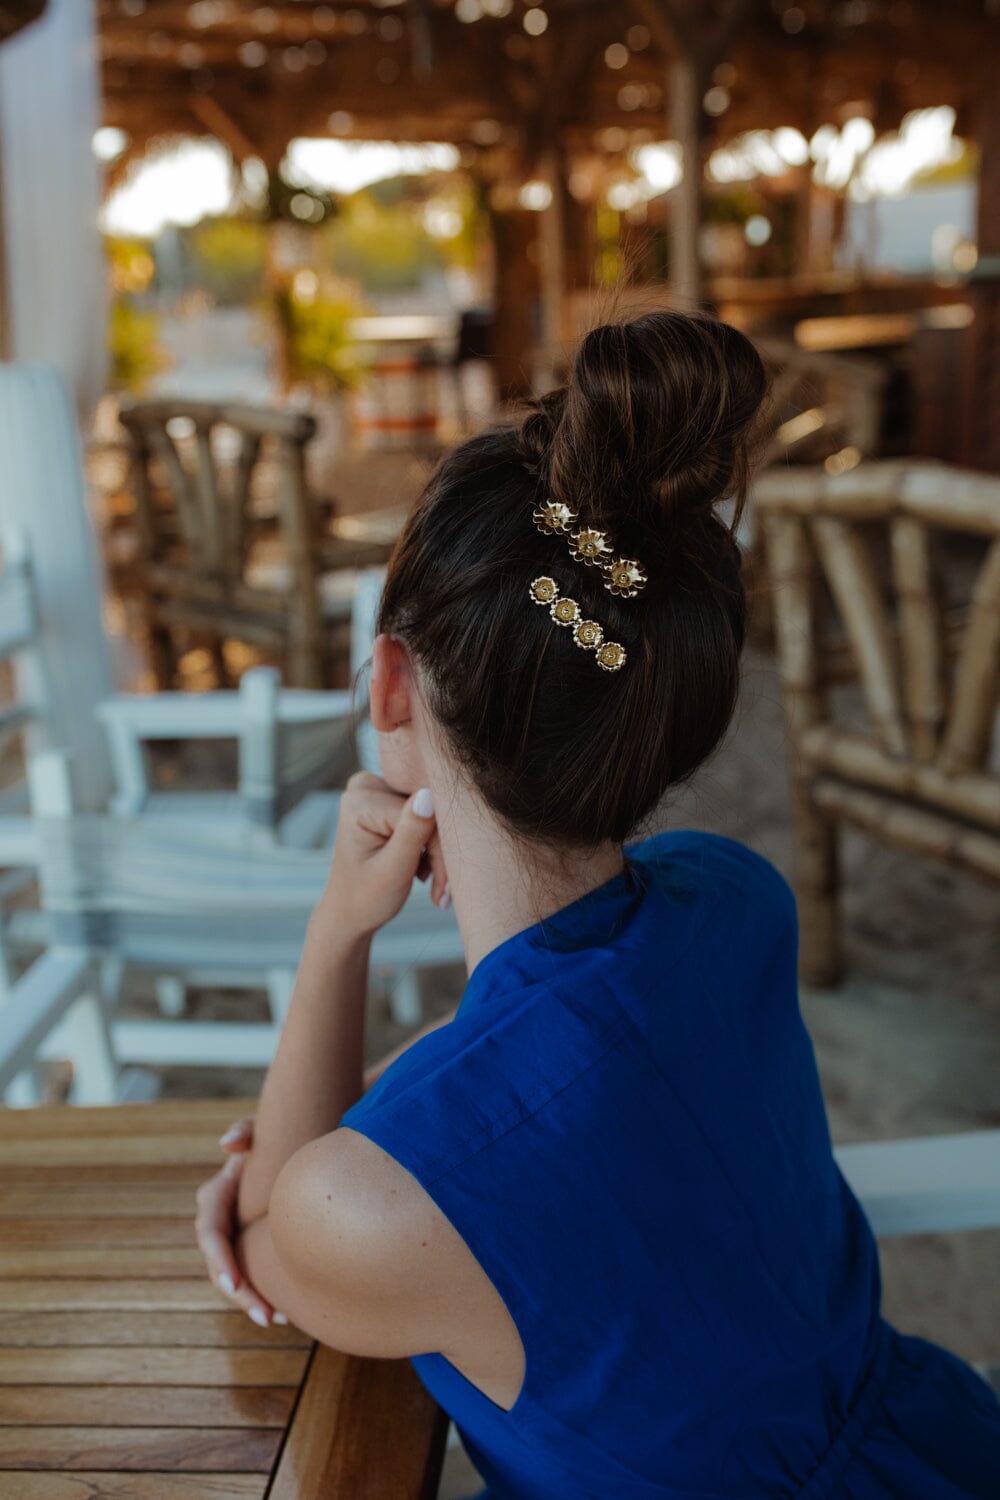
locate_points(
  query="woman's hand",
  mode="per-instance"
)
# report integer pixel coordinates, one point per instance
(384, 840)
(216, 1227)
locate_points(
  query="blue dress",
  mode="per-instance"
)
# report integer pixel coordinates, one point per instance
(624, 1122)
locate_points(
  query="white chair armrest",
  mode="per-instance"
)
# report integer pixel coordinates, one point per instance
(934, 1184)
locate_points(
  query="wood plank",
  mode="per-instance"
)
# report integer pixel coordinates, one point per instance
(366, 1428)
(160, 1330)
(79, 1233)
(98, 1261)
(183, 1449)
(146, 1406)
(191, 1294)
(71, 1174)
(163, 1117)
(113, 1151)
(22, 1485)
(95, 1200)
(152, 1366)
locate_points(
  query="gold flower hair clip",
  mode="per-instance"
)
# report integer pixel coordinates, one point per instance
(623, 576)
(586, 633)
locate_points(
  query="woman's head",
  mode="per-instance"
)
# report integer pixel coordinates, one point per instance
(653, 428)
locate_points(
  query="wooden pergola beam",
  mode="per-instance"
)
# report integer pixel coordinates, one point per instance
(210, 113)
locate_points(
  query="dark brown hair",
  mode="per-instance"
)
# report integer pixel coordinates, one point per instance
(654, 426)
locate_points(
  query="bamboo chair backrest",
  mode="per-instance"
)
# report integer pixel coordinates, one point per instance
(821, 403)
(929, 674)
(199, 469)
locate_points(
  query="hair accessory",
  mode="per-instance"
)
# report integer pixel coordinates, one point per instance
(554, 516)
(586, 633)
(623, 576)
(590, 546)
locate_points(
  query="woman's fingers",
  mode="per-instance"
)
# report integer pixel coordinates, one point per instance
(215, 1224)
(216, 1200)
(239, 1136)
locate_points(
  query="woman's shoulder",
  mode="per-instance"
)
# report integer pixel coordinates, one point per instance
(686, 862)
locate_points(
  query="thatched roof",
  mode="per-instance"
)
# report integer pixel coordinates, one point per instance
(258, 74)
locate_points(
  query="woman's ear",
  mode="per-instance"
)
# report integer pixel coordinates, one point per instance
(391, 687)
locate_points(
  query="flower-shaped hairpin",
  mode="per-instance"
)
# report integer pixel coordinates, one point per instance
(623, 576)
(554, 516)
(586, 633)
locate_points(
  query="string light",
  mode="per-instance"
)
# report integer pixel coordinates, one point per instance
(535, 21)
(252, 54)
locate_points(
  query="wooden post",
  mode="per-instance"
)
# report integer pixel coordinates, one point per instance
(515, 281)
(686, 117)
(552, 257)
(695, 37)
(981, 428)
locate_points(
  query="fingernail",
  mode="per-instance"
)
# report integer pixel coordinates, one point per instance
(227, 1284)
(445, 901)
(280, 1318)
(423, 803)
(230, 1135)
(258, 1317)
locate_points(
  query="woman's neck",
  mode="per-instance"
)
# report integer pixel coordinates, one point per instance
(497, 888)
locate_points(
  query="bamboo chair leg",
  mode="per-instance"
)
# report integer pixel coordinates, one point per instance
(817, 882)
(162, 657)
(223, 677)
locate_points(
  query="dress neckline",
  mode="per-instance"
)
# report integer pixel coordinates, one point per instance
(591, 919)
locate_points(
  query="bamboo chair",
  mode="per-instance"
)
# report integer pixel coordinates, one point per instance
(213, 483)
(922, 774)
(821, 402)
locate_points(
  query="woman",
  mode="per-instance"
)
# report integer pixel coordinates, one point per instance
(598, 1208)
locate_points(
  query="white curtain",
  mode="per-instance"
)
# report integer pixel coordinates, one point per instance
(54, 293)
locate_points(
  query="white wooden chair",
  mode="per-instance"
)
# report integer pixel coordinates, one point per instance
(176, 899)
(290, 742)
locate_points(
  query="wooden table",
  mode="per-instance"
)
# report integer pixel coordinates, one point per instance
(124, 1374)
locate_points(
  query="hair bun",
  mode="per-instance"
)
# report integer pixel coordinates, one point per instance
(655, 423)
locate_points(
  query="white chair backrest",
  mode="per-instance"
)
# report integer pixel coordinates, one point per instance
(43, 495)
(364, 613)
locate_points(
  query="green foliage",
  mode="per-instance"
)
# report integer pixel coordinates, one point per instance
(318, 346)
(733, 204)
(133, 344)
(229, 256)
(131, 267)
(384, 247)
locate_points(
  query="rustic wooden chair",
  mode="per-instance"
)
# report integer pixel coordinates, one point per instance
(231, 543)
(856, 563)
